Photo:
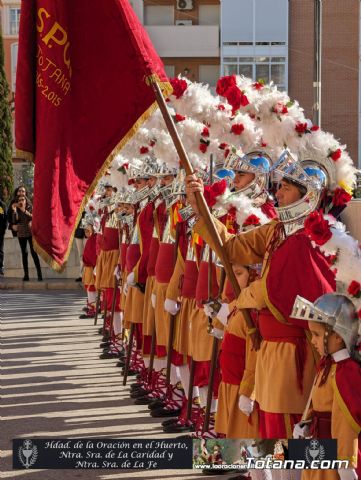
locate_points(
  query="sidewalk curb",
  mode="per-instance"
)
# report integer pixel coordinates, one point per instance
(47, 284)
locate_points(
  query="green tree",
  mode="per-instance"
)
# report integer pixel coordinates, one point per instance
(6, 141)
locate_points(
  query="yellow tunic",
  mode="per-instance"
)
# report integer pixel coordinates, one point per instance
(181, 328)
(162, 319)
(88, 276)
(324, 400)
(128, 300)
(200, 341)
(106, 262)
(137, 305)
(229, 418)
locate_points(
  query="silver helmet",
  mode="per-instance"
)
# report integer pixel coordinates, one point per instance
(333, 310)
(222, 172)
(310, 176)
(103, 184)
(124, 195)
(177, 188)
(164, 169)
(149, 167)
(256, 162)
(134, 172)
(91, 219)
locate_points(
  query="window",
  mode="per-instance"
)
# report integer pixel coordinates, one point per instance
(159, 15)
(14, 62)
(14, 21)
(262, 72)
(278, 74)
(169, 70)
(258, 68)
(209, 74)
(208, 15)
(246, 70)
(230, 69)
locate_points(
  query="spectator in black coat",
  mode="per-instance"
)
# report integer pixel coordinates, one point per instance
(20, 190)
(3, 225)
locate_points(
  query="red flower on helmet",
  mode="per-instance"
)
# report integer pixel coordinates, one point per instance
(179, 118)
(203, 147)
(143, 150)
(224, 83)
(205, 132)
(317, 228)
(179, 86)
(279, 108)
(212, 192)
(354, 289)
(236, 98)
(331, 259)
(340, 197)
(301, 128)
(237, 128)
(314, 128)
(336, 155)
(251, 220)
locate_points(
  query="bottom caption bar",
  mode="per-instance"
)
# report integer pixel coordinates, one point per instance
(145, 454)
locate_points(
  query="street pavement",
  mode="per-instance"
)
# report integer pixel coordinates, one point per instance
(55, 386)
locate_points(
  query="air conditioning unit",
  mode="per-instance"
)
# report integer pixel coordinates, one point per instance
(184, 22)
(185, 4)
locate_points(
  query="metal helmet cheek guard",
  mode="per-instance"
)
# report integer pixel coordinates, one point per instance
(307, 174)
(332, 309)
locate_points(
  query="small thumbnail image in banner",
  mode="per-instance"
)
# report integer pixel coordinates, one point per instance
(244, 454)
(237, 454)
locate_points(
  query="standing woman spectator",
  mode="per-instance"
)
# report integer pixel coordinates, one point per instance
(3, 224)
(20, 190)
(21, 219)
(80, 240)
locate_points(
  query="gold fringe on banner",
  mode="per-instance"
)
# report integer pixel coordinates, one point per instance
(166, 90)
(28, 156)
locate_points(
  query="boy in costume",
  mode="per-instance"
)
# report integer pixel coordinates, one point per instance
(335, 403)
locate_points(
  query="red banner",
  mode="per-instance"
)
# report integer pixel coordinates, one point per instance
(80, 96)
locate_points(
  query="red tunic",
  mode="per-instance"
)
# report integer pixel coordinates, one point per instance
(110, 239)
(145, 224)
(90, 254)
